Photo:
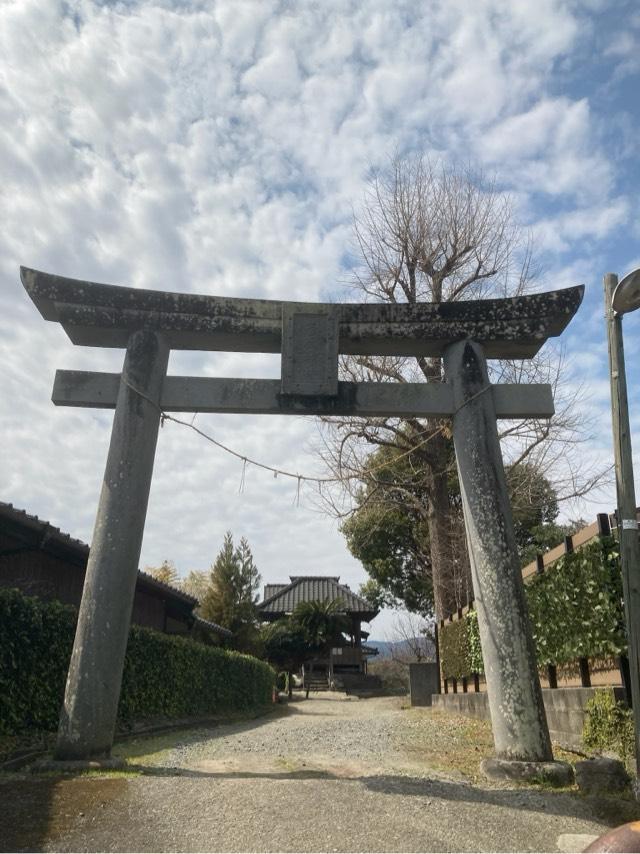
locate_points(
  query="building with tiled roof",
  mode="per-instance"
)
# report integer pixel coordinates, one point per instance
(41, 560)
(349, 659)
(282, 599)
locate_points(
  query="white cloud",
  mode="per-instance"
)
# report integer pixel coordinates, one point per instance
(552, 148)
(562, 232)
(218, 148)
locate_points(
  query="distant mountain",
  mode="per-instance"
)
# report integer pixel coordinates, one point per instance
(384, 647)
(387, 649)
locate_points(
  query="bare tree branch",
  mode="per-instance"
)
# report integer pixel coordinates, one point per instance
(428, 232)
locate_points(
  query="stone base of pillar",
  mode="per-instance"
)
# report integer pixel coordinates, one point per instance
(73, 766)
(517, 771)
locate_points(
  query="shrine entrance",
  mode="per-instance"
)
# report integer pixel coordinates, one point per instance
(310, 337)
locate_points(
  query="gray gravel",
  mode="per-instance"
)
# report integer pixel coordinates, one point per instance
(330, 725)
(329, 774)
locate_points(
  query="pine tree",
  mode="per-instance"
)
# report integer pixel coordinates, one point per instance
(232, 593)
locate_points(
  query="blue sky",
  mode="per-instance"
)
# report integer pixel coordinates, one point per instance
(218, 147)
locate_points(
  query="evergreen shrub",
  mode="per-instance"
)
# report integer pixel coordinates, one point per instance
(164, 676)
(575, 609)
(608, 725)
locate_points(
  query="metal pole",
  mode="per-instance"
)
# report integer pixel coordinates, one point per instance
(627, 519)
(88, 717)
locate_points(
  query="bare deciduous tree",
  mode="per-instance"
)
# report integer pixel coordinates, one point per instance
(412, 638)
(433, 233)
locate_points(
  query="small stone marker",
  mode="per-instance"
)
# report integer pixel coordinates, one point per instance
(423, 682)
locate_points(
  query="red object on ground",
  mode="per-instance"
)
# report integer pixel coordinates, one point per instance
(625, 838)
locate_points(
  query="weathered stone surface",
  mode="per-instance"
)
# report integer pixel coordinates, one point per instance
(601, 774)
(228, 395)
(553, 773)
(515, 698)
(88, 716)
(100, 315)
(309, 351)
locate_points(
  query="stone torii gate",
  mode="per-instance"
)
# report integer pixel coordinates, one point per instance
(148, 324)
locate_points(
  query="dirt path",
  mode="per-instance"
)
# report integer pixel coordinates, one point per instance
(327, 774)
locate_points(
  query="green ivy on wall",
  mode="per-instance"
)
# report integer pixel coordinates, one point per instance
(454, 649)
(473, 643)
(164, 675)
(576, 606)
(575, 609)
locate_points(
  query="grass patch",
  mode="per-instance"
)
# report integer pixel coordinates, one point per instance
(458, 744)
(448, 743)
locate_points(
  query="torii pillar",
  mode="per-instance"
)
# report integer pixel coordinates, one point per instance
(520, 730)
(92, 692)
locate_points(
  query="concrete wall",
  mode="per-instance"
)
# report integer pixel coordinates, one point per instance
(564, 708)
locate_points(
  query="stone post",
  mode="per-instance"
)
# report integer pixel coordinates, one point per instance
(518, 719)
(88, 717)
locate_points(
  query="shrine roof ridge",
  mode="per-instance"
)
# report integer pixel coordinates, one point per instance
(104, 315)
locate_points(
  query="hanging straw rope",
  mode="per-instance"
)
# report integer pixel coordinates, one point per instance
(278, 471)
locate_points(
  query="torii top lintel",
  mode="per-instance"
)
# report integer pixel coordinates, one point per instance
(105, 315)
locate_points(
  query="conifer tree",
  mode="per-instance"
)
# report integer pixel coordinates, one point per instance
(232, 593)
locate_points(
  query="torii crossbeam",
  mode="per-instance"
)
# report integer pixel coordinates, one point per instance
(310, 337)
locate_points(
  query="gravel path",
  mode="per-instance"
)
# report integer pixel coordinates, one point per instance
(331, 729)
(327, 774)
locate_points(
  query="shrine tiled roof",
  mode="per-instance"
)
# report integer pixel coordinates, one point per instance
(283, 599)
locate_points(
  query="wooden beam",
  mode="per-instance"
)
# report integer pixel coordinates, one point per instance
(254, 396)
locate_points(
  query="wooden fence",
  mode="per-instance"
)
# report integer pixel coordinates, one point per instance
(582, 673)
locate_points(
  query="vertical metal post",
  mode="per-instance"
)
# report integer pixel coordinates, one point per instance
(519, 724)
(88, 717)
(627, 518)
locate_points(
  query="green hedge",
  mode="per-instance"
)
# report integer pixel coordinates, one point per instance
(164, 676)
(575, 609)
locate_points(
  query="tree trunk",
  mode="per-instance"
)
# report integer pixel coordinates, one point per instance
(450, 567)
(441, 545)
